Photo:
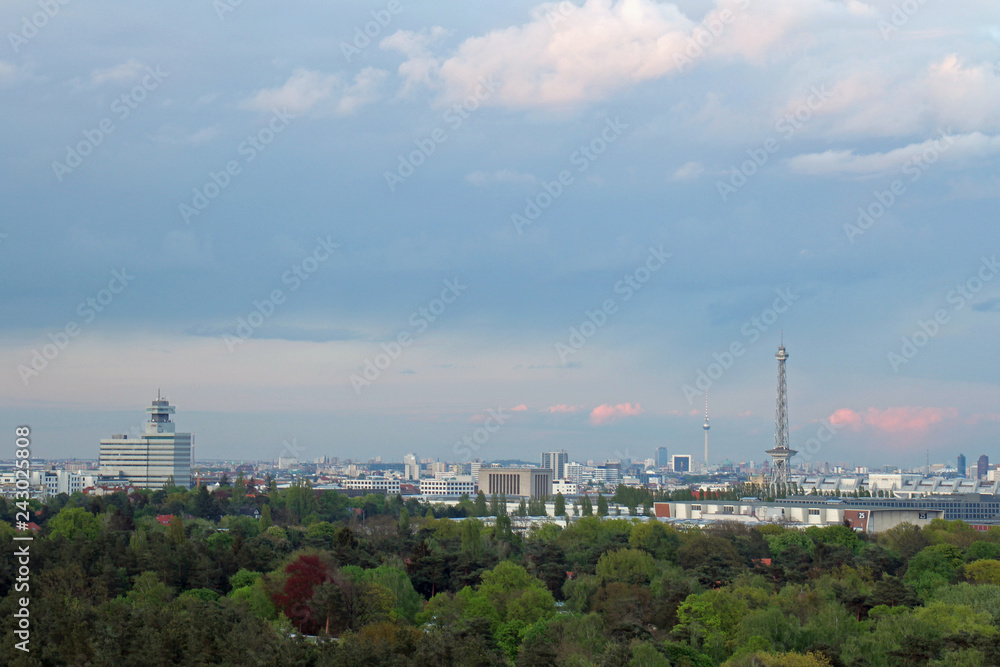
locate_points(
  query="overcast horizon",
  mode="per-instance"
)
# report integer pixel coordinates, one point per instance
(363, 228)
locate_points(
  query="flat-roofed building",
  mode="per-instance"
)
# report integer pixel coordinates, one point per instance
(457, 485)
(373, 484)
(525, 482)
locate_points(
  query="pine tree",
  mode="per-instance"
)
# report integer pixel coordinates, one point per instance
(560, 505)
(481, 509)
(602, 505)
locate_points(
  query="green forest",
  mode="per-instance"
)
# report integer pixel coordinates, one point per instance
(323, 579)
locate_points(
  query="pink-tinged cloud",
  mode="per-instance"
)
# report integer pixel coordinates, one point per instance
(519, 408)
(609, 413)
(893, 420)
(562, 408)
(983, 417)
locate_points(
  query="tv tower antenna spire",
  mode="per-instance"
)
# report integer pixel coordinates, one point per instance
(706, 426)
(781, 453)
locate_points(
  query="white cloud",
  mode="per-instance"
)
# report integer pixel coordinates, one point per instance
(122, 73)
(688, 171)
(364, 90)
(943, 149)
(480, 178)
(309, 89)
(417, 70)
(8, 72)
(607, 45)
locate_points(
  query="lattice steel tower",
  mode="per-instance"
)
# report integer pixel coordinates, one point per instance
(780, 454)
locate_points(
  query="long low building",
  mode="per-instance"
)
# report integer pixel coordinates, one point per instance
(447, 487)
(899, 485)
(870, 515)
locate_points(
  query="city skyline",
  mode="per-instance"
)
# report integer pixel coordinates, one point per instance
(409, 239)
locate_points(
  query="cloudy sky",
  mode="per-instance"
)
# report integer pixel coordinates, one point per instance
(356, 229)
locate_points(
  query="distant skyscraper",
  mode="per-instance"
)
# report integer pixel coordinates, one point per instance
(780, 454)
(962, 467)
(556, 462)
(153, 458)
(661, 457)
(982, 466)
(412, 468)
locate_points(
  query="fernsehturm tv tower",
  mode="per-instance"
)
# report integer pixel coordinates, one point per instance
(780, 454)
(706, 426)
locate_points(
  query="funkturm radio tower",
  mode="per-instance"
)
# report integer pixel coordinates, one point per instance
(781, 453)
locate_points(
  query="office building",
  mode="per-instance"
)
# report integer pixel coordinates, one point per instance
(961, 465)
(154, 458)
(556, 462)
(455, 486)
(982, 466)
(525, 482)
(661, 457)
(681, 463)
(412, 468)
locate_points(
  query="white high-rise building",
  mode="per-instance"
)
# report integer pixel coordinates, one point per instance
(154, 457)
(556, 462)
(411, 467)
